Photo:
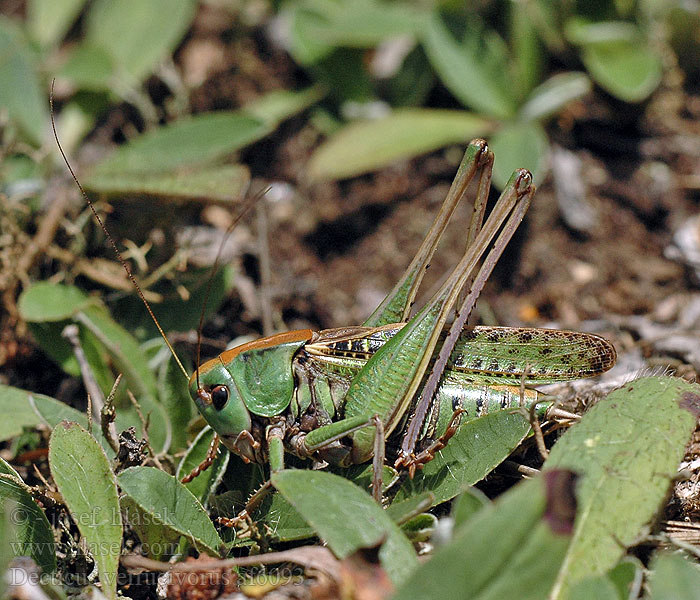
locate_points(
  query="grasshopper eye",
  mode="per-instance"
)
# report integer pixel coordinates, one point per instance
(219, 396)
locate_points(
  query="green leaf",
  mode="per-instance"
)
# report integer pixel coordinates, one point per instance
(226, 183)
(49, 20)
(277, 106)
(400, 512)
(509, 549)
(519, 145)
(158, 541)
(29, 410)
(630, 71)
(466, 71)
(21, 93)
(88, 66)
(45, 301)
(196, 140)
(627, 449)
(31, 533)
(477, 448)
(86, 482)
(628, 573)
(526, 49)
(358, 24)
(550, 97)
(370, 145)
(467, 504)
(169, 502)
(122, 346)
(346, 518)
(673, 577)
(138, 35)
(600, 588)
(205, 483)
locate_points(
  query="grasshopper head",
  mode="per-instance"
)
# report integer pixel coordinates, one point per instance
(222, 406)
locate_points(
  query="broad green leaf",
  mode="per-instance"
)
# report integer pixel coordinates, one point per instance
(205, 483)
(176, 402)
(477, 448)
(21, 93)
(630, 71)
(31, 534)
(628, 573)
(196, 140)
(627, 449)
(88, 66)
(550, 97)
(139, 35)
(277, 106)
(45, 301)
(370, 145)
(467, 504)
(83, 476)
(304, 45)
(122, 346)
(287, 524)
(519, 145)
(29, 410)
(49, 20)
(400, 512)
(509, 549)
(158, 541)
(346, 518)
(359, 23)
(226, 183)
(527, 50)
(582, 32)
(465, 72)
(600, 588)
(169, 502)
(673, 577)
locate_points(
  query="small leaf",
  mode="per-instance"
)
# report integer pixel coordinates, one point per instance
(29, 410)
(49, 20)
(169, 502)
(360, 23)
(477, 448)
(600, 588)
(205, 483)
(226, 183)
(519, 145)
(465, 72)
(370, 145)
(138, 35)
(509, 549)
(21, 93)
(627, 449)
(45, 301)
(88, 66)
(346, 518)
(277, 106)
(467, 504)
(673, 577)
(400, 512)
(31, 533)
(86, 482)
(158, 541)
(196, 140)
(631, 71)
(550, 97)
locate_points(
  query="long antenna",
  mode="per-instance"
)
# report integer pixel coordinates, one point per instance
(217, 263)
(111, 239)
